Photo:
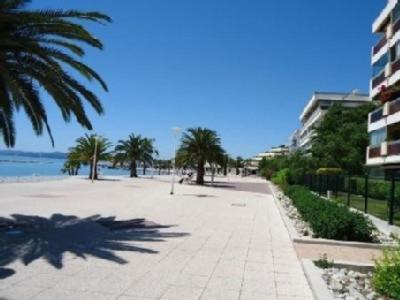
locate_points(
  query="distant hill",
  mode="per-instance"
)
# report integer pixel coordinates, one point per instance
(56, 155)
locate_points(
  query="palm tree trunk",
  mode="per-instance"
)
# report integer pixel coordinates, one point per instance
(95, 171)
(133, 169)
(200, 173)
(90, 170)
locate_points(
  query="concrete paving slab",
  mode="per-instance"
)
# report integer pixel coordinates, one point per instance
(222, 242)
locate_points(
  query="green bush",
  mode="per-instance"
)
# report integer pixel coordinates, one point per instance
(281, 177)
(377, 188)
(328, 219)
(386, 279)
(267, 173)
(329, 171)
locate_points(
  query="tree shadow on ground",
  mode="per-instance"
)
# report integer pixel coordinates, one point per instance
(28, 238)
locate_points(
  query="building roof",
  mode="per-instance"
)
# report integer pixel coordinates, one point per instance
(319, 96)
(384, 14)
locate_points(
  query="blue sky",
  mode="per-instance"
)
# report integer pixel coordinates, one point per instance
(245, 68)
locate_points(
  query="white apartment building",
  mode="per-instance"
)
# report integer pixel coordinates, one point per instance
(281, 150)
(384, 122)
(315, 110)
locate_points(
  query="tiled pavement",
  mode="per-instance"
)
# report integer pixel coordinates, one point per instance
(227, 244)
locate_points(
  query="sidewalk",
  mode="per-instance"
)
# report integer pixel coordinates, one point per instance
(213, 243)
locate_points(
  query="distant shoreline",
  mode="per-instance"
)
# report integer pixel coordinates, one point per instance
(24, 161)
(33, 178)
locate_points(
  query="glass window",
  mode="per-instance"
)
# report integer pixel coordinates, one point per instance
(377, 137)
(395, 52)
(393, 132)
(396, 12)
(380, 65)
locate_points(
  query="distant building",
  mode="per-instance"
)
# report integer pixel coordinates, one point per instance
(294, 141)
(278, 151)
(384, 122)
(315, 110)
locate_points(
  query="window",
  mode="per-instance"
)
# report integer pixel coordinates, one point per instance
(393, 132)
(396, 12)
(377, 137)
(380, 65)
(395, 52)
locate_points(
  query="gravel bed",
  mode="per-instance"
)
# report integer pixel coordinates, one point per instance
(350, 285)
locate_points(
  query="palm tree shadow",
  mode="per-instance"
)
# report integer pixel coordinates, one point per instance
(28, 238)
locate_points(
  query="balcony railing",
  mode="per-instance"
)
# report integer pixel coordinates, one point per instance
(378, 79)
(394, 106)
(396, 26)
(394, 148)
(380, 45)
(377, 115)
(396, 66)
(374, 151)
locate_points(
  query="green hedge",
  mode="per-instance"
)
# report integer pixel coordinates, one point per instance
(377, 188)
(328, 219)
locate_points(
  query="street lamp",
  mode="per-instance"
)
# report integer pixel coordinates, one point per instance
(176, 131)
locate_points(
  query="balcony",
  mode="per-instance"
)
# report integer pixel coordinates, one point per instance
(378, 80)
(376, 115)
(380, 45)
(396, 26)
(393, 148)
(374, 152)
(395, 66)
(394, 107)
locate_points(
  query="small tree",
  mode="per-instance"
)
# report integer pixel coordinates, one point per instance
(135, 149)
(342, 138)
(198, 146)
(85, 149)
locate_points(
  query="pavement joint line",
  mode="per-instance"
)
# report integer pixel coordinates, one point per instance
(215, 266)
(248, 249)
(149, 270)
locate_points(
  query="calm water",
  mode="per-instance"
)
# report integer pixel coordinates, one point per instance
(15, 166)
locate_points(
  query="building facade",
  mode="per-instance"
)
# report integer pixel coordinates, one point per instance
(278, 151)
(384, 122)
(315, 110)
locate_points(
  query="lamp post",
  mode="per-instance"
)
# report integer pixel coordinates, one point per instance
(94, 158)
(176, 131)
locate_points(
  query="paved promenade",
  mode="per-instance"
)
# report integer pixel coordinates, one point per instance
(226, 242)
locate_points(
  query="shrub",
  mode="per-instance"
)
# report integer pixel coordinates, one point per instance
(281, 178)
(329, 171)
(267, 173)
(324, 263)
(386, 278)
(377, 188)
(330, 220)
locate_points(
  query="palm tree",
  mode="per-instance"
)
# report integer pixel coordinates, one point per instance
(73, 163)
(133, 150)
(198, 146)
(148, 152)
(85, 149)
(37, 46)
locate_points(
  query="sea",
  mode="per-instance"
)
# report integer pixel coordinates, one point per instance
(24, 166)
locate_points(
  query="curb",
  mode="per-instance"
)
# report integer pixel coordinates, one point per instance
(317, 284)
